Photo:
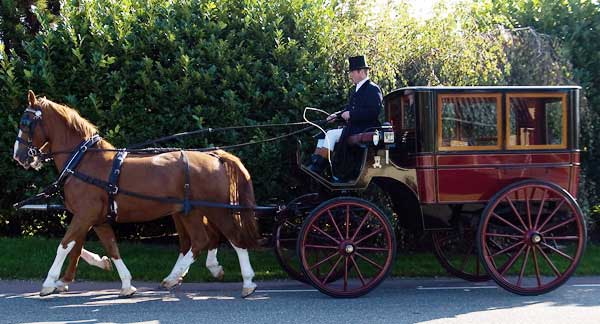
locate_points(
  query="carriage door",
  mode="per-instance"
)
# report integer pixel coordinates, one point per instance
(468, 141)
(400, 112)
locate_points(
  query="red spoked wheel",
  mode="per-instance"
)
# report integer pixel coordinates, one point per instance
(348, 238)
(531, 237)
(456, 251)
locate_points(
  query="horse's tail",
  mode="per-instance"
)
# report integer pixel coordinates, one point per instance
(241, 193)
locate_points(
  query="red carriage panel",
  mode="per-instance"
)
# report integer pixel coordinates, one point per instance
(476, 177)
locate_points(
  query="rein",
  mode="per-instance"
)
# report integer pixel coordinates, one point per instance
(135, 149)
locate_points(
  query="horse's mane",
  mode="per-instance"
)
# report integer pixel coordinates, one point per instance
(81, 125)
(71, 116)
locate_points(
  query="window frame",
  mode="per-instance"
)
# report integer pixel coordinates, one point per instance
(496, 95)
(563, 100)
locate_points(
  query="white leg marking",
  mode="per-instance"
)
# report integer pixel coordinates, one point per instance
(95, 260)
(246, 269)
(213, 264)
(50, 284)
(179, 271)
(173, 275)
(126, 288)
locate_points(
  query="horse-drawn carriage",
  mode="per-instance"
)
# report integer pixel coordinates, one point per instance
(490, 172)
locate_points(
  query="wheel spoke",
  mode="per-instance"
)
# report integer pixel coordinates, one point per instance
(571, 238)
(528, 206)
(364, 220)
(327, 235)
(522, 272)
(550, 263)
(325, 247)
(323, 261)
(516, 237)
(326, 280)
(347, 221)
(557, 251)
(512, 206)
(337, 229)
(369, 260)
(508, 223)
(367, 236)
(487, 253)
(360, 275)
(537, 268)
(551, 215)
(372, 249)
(507, 249)
(467, 255)
(512, 260)
(559, 225)
(541, 208)
(346, 274)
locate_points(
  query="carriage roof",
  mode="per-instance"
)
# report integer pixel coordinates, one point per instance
(481, 89)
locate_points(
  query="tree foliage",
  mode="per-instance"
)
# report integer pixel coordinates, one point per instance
(571, 26)
(142, 69)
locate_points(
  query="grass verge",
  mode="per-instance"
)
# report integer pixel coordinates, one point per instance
(30, 258)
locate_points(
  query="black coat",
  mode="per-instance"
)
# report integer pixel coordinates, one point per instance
(364, 106)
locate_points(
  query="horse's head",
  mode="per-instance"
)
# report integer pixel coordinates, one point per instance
(31, 137)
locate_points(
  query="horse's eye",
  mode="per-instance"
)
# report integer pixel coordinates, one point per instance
(25, 122)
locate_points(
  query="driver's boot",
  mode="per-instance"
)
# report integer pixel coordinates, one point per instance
(319, 160)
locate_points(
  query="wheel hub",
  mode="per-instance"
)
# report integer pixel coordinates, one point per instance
(535, 238)
(347, 247)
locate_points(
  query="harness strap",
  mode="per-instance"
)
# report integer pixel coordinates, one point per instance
(186, 187)
(72, 163)
(113, 182)
(170, 200)
(76, 157)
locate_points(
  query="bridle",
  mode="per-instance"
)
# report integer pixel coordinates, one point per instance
(29, 122)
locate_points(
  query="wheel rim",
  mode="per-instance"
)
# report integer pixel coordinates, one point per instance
(286, 236)
(457, 253)
(350, 239)
(532, 238)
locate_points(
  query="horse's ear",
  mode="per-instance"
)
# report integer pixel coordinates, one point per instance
(31, 97)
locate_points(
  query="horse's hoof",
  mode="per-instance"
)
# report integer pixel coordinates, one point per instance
(61, 286)
(127, 292)
(220, 275)
(170, 284)
(47, 291)
(248, 291)
(106, 264)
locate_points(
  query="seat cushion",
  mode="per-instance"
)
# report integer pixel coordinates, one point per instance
(360, 138)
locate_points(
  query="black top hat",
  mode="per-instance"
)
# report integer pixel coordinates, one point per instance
(357, 63)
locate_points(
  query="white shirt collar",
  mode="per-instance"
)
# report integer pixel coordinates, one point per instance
(358, 85)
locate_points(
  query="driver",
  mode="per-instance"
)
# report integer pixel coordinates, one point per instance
(361, 112)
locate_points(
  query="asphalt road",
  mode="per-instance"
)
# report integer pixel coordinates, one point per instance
(395, 301)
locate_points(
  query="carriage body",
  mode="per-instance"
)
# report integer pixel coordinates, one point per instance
(490, 172)
(465, 144)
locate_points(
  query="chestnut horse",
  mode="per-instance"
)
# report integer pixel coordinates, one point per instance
(218, 178)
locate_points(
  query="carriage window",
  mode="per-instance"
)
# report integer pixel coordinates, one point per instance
(468, 121)
(536, 120)
(401, 112)
(408, 112)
